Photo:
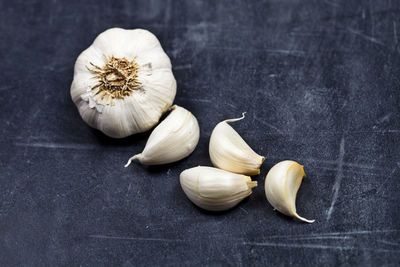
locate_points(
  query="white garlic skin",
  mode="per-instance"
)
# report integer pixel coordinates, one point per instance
(139, 111)
(214, 189)
(281, 185)
(228, 150)
(173, 139)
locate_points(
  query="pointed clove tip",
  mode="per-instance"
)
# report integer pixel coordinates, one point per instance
(236, 119)
(303, 219)
(128, 163)
(131, 159)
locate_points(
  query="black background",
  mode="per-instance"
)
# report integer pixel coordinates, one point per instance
(319, 81)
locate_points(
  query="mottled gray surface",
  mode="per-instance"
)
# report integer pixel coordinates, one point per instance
(319, 81)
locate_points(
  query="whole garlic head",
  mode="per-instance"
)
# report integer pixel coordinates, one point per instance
(214, 189)
(123, 82)
(173, 139)
(281, 186)
(228, 150)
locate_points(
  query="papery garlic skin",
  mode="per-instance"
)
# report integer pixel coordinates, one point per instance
(281, 185)
(173, 139)
(228, 150)
(140, 68)
(214, 189)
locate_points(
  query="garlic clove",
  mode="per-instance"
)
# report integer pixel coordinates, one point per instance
(214, 189)
(228, 150)
(173, 139)
(281, 185)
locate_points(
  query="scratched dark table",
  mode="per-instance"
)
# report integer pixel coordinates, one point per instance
(319, 81)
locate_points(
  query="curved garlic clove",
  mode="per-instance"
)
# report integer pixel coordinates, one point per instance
(228, 151)
(214, 189)
(123, 82)
(281, 186)
(173, 139)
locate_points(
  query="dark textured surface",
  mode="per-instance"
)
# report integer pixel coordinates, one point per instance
(319, 81)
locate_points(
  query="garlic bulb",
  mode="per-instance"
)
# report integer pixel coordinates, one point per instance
(173, 139)
(281, 186)
(214, 189)
(228, 151)
(123, 82)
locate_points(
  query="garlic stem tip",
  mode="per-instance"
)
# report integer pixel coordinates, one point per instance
(235, 119)
(131, 159)
(304, 219)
